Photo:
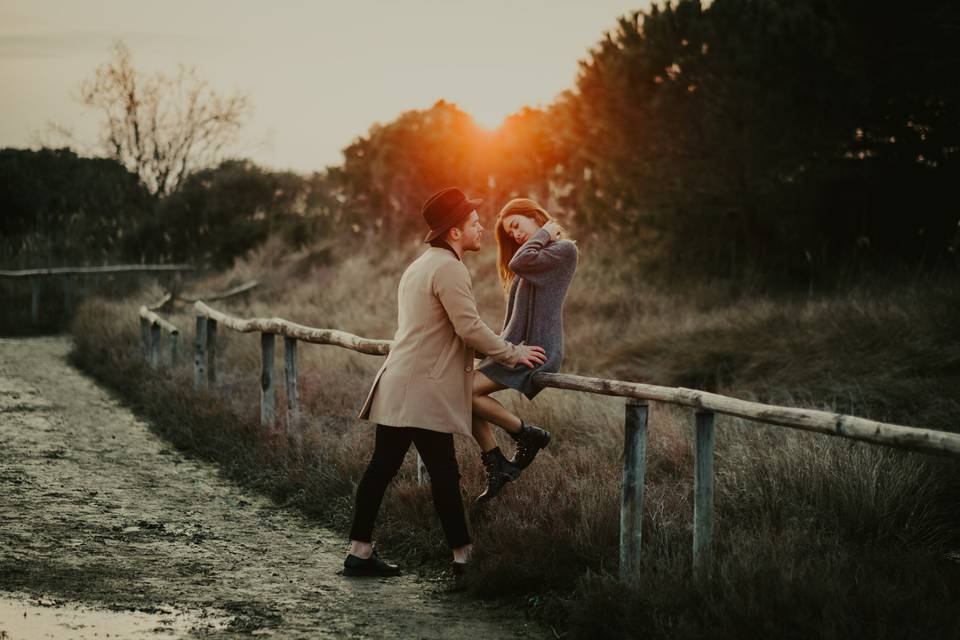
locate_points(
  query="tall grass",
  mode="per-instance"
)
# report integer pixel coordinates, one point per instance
(815, 536)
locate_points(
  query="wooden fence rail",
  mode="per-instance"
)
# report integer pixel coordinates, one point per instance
(68, 273)
(707, 405)
(171, 296)
(75, 271)
(210, 297)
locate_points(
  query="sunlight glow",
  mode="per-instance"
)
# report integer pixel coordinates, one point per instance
(318, 74)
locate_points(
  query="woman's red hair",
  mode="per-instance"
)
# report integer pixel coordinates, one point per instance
(506, 246)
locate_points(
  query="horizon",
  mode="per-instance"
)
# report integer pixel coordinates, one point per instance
(48, 48)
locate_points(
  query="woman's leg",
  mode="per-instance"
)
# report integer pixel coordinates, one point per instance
(487, 410)
(483, 434)
(530, 439)
(499, 470)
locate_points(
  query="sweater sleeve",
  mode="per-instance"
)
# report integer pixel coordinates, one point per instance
(539, 255)
(452, 285)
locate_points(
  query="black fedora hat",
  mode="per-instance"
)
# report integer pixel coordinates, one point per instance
(446, 208)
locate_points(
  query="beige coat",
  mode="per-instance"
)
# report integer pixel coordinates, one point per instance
(427, 379)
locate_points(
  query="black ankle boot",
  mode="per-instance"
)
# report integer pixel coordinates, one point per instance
(529, 442)
(499, 470)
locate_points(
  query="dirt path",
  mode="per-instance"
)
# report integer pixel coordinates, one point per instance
(96, 510)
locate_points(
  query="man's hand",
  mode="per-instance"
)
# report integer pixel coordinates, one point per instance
(553, 229)
(531, 356)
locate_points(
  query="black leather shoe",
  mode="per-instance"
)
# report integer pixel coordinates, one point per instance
(499, 470)
(529, 442)
(372, 567)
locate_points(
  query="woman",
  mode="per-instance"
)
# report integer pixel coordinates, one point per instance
(536, 265)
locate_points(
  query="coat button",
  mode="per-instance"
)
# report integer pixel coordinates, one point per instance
(469, 368)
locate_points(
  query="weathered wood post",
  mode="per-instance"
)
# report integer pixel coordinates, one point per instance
(268, 389)
(200, 354)
(290, 382)
(67, 293)
(35, 300)
(145, 337)
(423, 477)
(631, 506)
(211, 346)
(154, 345)
(174, 336)
(703, 495)
(175, 286)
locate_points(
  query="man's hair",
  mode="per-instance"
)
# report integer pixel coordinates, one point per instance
(441, 240)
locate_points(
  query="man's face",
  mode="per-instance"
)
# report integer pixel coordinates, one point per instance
(472, 233)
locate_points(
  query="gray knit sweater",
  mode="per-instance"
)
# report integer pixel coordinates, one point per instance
(544, 270)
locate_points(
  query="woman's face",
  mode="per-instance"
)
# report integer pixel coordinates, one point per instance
(520, 227)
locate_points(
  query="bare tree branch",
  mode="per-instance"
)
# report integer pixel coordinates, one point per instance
(162, 127)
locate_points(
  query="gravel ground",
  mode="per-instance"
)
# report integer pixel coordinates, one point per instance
(99, 512)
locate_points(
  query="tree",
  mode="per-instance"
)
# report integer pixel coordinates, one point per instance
(785, 136)
(221, 213)
(162, 127)
(61, 209)
(388, 174)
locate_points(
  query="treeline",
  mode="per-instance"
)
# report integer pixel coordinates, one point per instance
(791, 139)
(62, 209)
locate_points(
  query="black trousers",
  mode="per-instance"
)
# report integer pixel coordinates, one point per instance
(439, 457)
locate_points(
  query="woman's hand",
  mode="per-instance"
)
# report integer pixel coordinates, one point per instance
(531, 356)
(553, 229)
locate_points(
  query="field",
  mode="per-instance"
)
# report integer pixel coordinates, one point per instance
(815, 536)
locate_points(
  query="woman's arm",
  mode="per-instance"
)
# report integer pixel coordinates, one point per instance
(452, 285)
(539, 255)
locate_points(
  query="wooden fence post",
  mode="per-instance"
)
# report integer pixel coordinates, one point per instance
(145, 338)
(703, 495)
(631, 506)
(290, 381)
(200, 354)
(211, 346)
(67, 293)
(35, 300)
(423, 477)
(268, 390)
(154, 345)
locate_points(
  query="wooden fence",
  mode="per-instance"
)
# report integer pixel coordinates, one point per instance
(170, 296)
(68, 274)
(152, 325)
(150, 328)
(638, 395)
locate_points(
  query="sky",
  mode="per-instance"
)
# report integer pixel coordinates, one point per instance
(318, 74)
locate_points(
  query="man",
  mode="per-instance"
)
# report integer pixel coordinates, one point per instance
(422, 393)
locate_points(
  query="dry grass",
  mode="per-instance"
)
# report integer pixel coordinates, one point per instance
(816, 536)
